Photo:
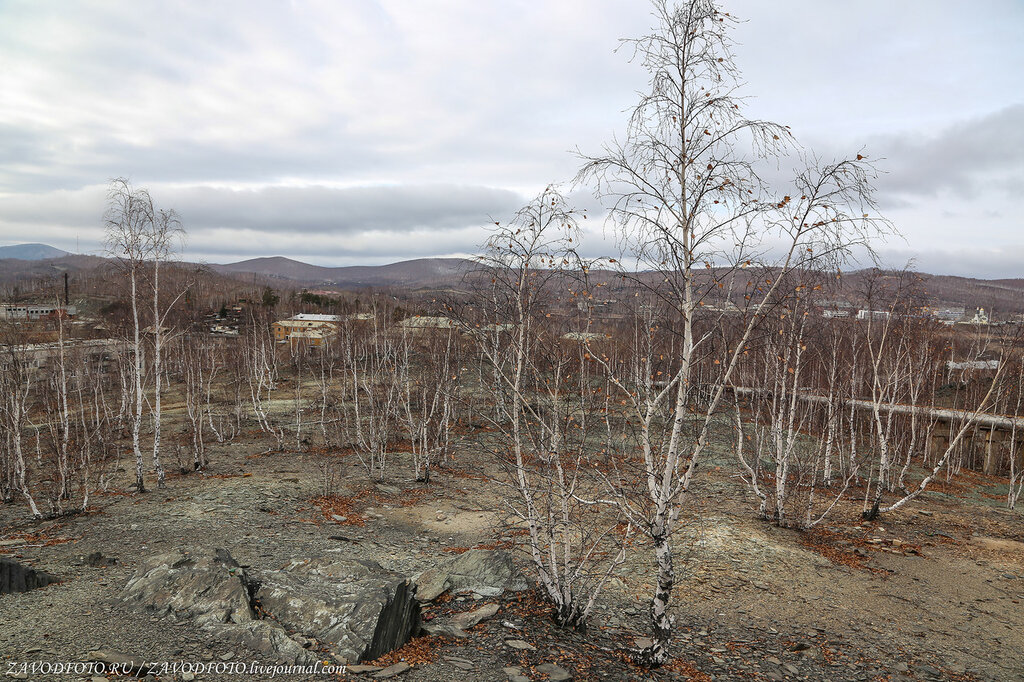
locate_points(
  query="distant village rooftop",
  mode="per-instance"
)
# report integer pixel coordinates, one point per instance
(313, 317)
(424, 322)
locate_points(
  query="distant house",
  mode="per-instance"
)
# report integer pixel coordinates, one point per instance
(285, 330)
(835, 309)
(223, 330)
(100, 353)
(973, 364)
(582, 336)
(308, 337)
(722, 306)
(948, 315)
(865, 314)
(489, 330)
(834, 313)
(32, 311)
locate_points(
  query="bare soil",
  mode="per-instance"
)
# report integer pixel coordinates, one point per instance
(930, 593)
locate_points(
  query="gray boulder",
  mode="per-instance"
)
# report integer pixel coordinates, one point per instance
(468, 619)
(208, 588)
(488, 572)
(431, 584)
(457, 625)
(355, 607)
(216, 593)
(267, 637)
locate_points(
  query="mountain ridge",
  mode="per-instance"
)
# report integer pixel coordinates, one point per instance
(417, 272)
(1004, 294)
(31, 252)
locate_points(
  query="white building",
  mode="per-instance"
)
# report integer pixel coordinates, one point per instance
(34, 311)
(948, 315)
(865, 314)
(973, 364)
(831, 313)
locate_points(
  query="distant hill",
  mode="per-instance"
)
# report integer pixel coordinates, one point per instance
(31, 252)
(1001, 296)
(15, 269)
(422, 272)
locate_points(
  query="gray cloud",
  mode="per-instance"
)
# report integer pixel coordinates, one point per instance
(970, 157)
(341, 211)
(386, 129)
(339, 221)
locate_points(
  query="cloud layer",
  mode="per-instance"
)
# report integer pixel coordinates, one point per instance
(375, 131)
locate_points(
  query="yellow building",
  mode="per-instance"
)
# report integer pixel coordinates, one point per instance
(284, 330)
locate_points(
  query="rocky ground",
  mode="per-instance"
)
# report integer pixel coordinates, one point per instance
(931, 593)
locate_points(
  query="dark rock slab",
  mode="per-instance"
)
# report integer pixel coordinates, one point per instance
(16, 578)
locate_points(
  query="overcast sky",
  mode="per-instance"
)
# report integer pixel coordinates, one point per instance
(359, 131)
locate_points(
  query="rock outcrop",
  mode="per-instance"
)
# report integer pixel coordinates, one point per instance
(353, 608)
(487, 572)
(207, 588)
(266, 637)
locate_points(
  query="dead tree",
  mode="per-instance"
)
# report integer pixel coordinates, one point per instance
(904, 350)
(261, 374)
(323, 368)
(141, 237)
(373, 366)
(200, 366)
(1016, 472)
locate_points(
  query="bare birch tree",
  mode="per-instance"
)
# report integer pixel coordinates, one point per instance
(904, 357)
(428, 371)
(164, 229)
(689, 204)
(546, 445)
(127, 220)
(16, 386)
(141, 237)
